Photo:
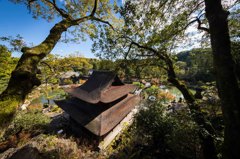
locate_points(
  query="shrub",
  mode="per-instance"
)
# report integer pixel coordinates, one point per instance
(155, 134)
(7, 111)
(53, 147)
(165, 96)
(153, 90)
(33, 121)
(138, 84)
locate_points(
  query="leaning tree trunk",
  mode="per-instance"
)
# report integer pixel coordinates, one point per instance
(206, 131)
(23, 78)
(228, 88)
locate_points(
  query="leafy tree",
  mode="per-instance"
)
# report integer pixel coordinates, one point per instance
(198, 65)
(81, 16)
(7, 64)
(153, 28)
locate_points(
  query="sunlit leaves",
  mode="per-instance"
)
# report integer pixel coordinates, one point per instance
(14, 43)
(7, 64)
(73, 10)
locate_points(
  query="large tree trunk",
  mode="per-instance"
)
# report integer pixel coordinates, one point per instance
(206, 131)
(228, 88)
(23, 78)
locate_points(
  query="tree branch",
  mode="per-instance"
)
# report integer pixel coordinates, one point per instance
(148, 55)
(61, 11)
(129, 49)
(92, 17)
(94, 8)
(45, 63)
(199, 24)
(155, 52)
(103, 21)
(200, 27)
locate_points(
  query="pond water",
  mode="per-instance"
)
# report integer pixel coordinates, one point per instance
(49, 97)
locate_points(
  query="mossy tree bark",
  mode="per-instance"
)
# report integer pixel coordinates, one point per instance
(227, 84)
(23, 78)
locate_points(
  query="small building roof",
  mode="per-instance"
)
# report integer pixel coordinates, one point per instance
(102, 86)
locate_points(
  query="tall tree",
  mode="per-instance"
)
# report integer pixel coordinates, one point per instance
(150, 32)
(227, 83)
(73, 13)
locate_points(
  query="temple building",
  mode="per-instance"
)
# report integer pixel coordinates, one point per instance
(100, 103)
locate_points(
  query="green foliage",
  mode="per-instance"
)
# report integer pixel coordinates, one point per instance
(15, 43)
(195, 65)
(7, 110)
(53, 66)
(7, 64)
(106, 65)
(34, 122)
(153, 90)
(139, 85)
(145, 32)
(184, 140)
(150, 119)
(155, 134)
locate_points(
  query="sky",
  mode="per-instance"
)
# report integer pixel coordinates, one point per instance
(16, 19)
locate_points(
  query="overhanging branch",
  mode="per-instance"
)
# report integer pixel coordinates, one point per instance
(92, 17)
(200, 27)
(61, 11)
(102, 21)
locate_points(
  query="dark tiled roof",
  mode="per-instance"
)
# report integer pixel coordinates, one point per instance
(102, 86)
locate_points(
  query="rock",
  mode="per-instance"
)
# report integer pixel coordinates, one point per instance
(26, 152)
(25, 105)
(44, 147)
